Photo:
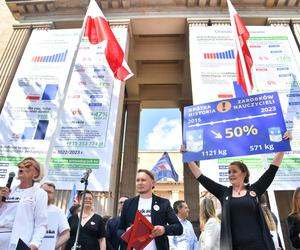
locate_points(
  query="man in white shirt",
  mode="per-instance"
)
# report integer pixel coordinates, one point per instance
(156, 209)
(58, 231)
(188, 240)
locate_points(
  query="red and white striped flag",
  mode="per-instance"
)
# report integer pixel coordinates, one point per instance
(244, 60)
(97, 29)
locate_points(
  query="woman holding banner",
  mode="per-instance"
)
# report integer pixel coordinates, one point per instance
(243, 226)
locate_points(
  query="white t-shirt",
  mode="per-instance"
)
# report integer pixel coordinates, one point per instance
(8, 212)
(29, 216)
(145, 208)
(9, 208)
(57, 223)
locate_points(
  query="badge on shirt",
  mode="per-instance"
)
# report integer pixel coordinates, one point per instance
(156, 207)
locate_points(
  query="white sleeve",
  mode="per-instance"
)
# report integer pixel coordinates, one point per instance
(171, 242)
(195, 244)
(40, 217)
(62, 222)
(211, 235)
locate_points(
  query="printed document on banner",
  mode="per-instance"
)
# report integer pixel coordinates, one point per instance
(233, 127)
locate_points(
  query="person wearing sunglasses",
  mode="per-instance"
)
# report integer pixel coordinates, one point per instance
(23, 211)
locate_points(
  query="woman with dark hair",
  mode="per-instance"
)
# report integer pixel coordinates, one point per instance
(92, 230)
(23, 214)
(294, 220)
(242, 225)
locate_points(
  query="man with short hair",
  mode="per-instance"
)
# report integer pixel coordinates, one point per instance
(112, 240)
(156, 209)
(187, 240)
(58, 226)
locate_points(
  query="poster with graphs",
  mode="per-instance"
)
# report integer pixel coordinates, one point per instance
(276, 67)
(68, 125)
(30, 112)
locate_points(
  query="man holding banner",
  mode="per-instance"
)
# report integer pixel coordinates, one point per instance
(242, 224)
(156, 209)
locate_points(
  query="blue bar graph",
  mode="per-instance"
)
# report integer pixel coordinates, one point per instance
(28, 133)
(57, 58)
(50, 92)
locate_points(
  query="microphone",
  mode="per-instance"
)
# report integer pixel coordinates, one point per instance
(86, 175)
(11, 176)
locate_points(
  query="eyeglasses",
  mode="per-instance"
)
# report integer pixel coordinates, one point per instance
(28, 164)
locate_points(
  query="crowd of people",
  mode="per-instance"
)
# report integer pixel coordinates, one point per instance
(28, 216)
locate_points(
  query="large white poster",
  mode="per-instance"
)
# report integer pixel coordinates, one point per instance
(30, 112)
(85, 138)
(276, 67)
(73, 122)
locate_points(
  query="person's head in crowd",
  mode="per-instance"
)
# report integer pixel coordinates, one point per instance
(296, 201)
(29, 171)
(121, 203)
(207, 211)
(88, 200)
(49, 187)
(74, 209)
(238, 173)
(144, 182)
(271, 223)
(181, 209)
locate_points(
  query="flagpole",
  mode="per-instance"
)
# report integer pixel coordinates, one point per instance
(60, 110)
(238, 45)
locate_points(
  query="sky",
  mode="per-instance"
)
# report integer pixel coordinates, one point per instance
(160, 129)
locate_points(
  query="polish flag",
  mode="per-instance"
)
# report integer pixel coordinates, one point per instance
(244, 60)
(97, 29)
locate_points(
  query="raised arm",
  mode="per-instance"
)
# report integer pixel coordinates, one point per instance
(213, 187)
(195, 169)
(279, 156)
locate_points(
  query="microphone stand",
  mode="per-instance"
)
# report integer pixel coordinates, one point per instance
(76, 246)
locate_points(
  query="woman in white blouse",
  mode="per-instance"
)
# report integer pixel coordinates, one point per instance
(209, 225)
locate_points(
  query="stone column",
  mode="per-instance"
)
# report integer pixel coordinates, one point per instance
(296, 29)
(13, 54)
(131, 144)
(191, 186)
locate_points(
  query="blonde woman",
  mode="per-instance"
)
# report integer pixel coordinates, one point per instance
(23, 215)
(209, 225)
(294, 220)
(271, 221)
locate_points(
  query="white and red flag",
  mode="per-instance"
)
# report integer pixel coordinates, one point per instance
(97, 29)
(244, 60)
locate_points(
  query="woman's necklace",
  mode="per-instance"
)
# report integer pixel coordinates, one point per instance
(239, 191)
(84, 216)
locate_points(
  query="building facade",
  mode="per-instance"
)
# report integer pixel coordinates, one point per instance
(158, 54)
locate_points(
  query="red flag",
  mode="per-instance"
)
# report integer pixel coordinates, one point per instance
(139, 235)
(97, 30)
(243, 57)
